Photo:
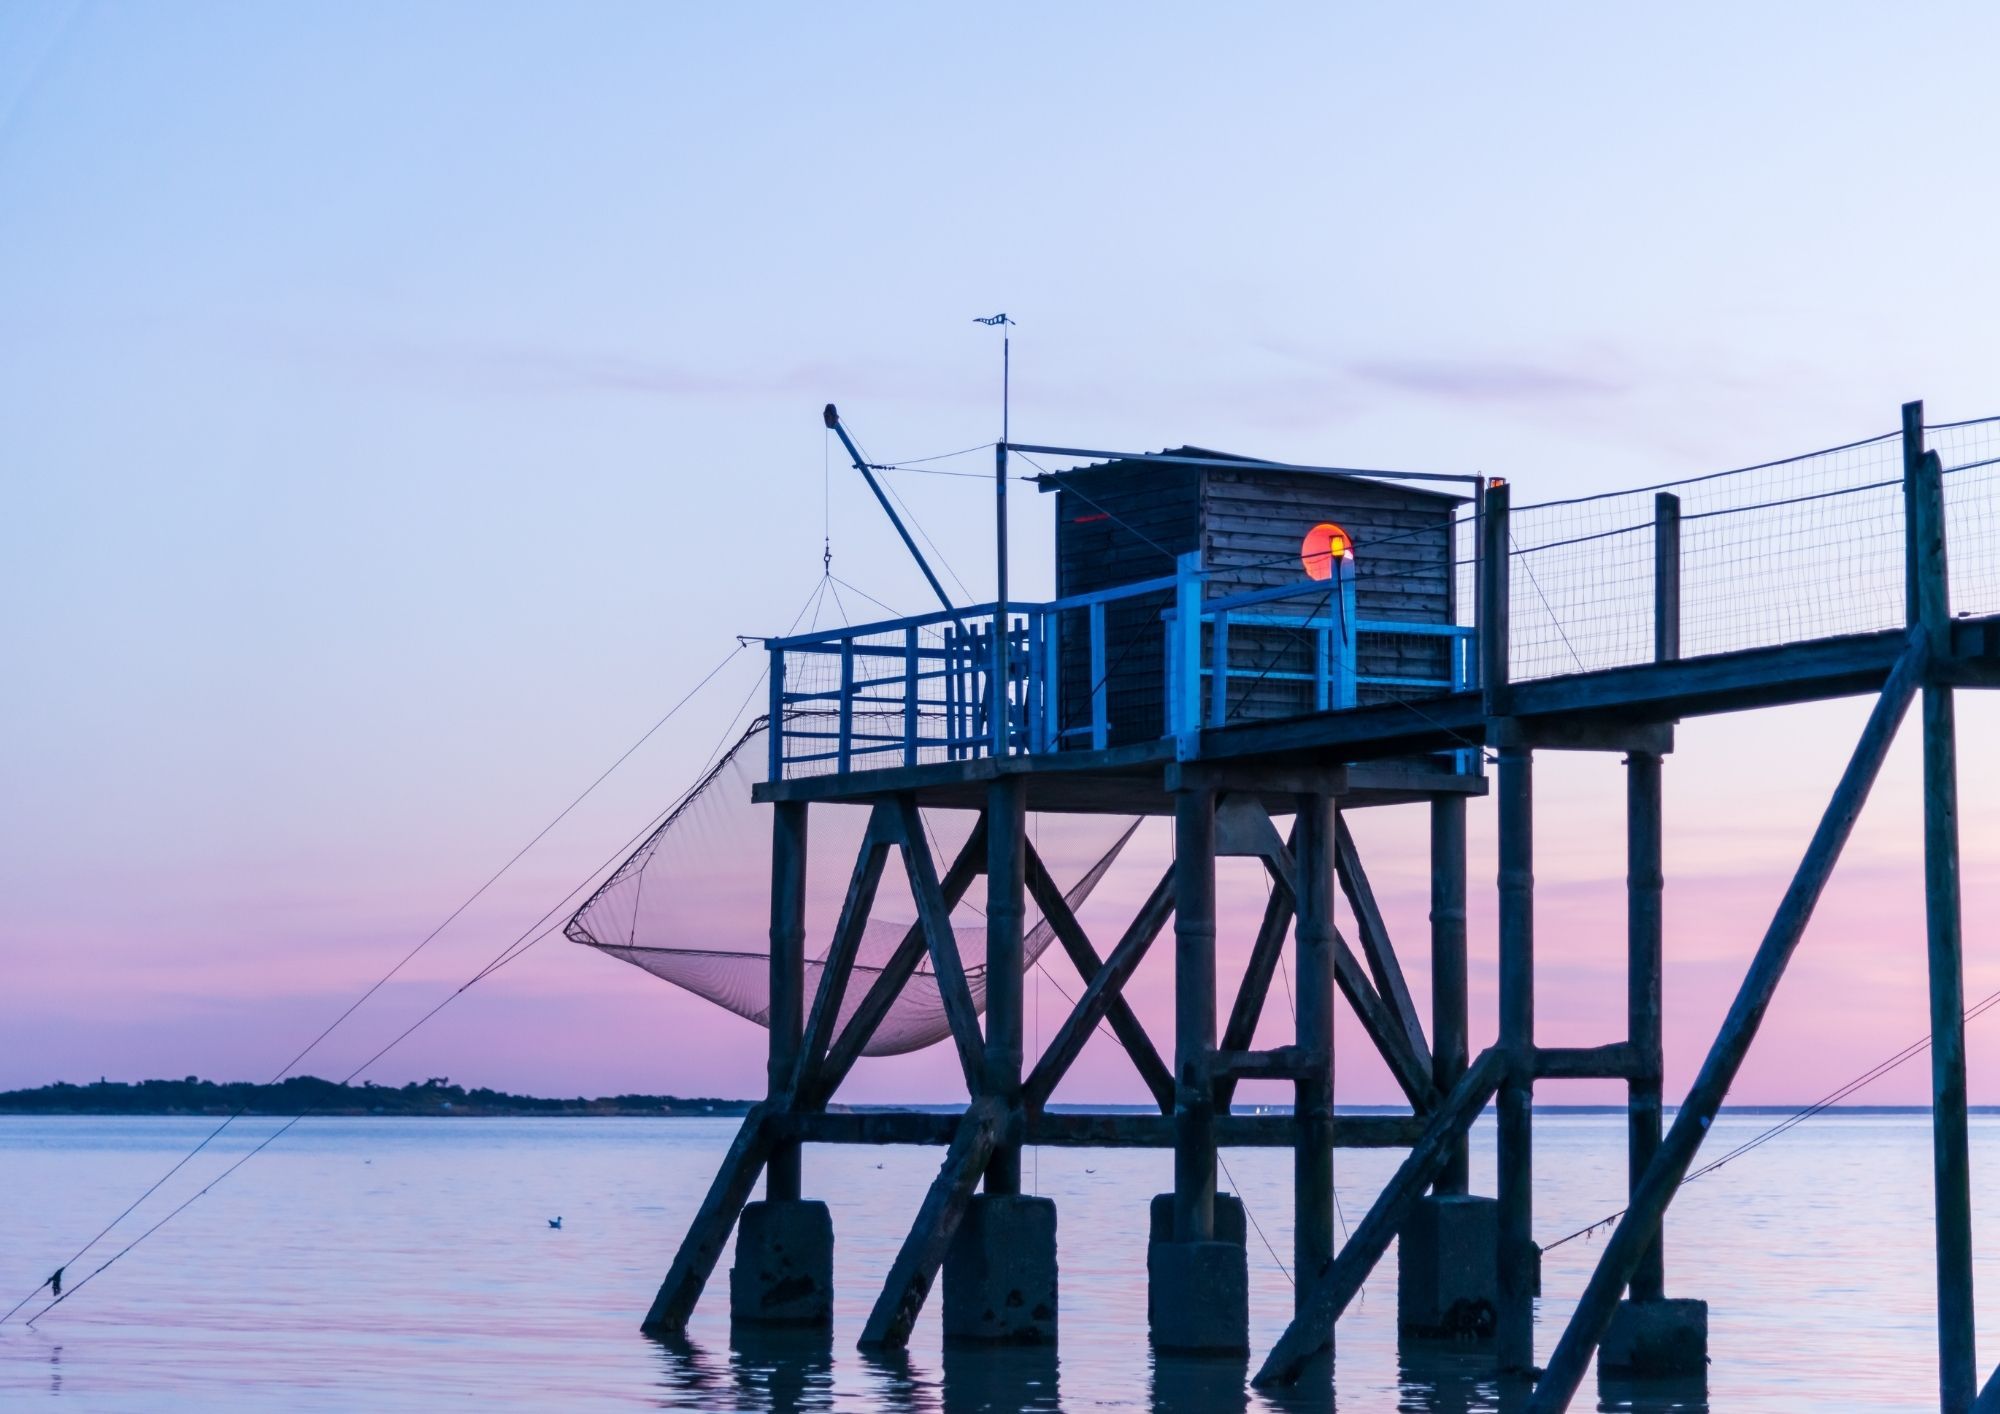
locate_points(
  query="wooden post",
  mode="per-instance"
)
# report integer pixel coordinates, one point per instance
(1644, 886)
(1006, 876)
(1448, 975)
(1493, 607)
(1930, 609)
(1312, 1158)
(788, 980)
(1517, 1255)
(1640, 1225)
(1666, 577)
(1194, 1014)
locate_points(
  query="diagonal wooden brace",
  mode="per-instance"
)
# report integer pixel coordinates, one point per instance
(934, 914)
(846, 945)
(1375, 945)
(1333, 1287)
(1108, 982)
(1131, 1034)
(709, 1232)
(895, 974)
(1251, 993)
(916, 1265)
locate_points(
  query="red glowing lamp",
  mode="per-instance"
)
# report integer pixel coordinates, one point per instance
(1324, 543)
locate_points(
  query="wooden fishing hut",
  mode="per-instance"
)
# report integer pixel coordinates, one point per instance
(1233, 641)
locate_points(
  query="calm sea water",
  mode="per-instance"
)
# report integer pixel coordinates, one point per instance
(392, 1264)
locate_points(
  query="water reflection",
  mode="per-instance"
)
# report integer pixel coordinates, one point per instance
(1449, 1378)
(1000, 1377)
(1200, 1384)
(1688, 1395)
(782, 1369)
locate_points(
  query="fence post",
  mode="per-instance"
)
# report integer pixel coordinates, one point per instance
(1493, 600)
(1666, 577)
(1350, 659)
(775, 713)
(910, 681)
(1929, 605)
(845, 745)
(1100, 691)
(1218, 677)
(1184, 654)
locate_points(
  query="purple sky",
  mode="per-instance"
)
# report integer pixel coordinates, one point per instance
(401, 409)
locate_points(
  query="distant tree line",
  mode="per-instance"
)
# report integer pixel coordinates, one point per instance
(435, 1096)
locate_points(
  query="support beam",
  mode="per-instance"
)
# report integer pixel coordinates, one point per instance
(889, 982)
(916, 1265)
(946, 965)
(1375, 945)
(840, 955)
(1327, 1295)
(788, 982)
(1449, 1019)
(1517, 1253)
(708, 1234)
(1641, 1223)
(1319, 838)
(1929, 609)
(1645, 885)
(1098, 993)
(1255, 987)
(1006, 928)
(1071, 1130)
(1617, 1061)
(1194, 1015)
(1124, 1024)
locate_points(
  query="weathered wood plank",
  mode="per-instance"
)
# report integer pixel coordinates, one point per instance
(1331, 1289)
(1071, 1130)
(709, 1232)
(1124, 1023)
(916, 1265)
(1620, 1060)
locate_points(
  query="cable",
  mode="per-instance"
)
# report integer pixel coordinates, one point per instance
(386, 977)
(1791, 1121)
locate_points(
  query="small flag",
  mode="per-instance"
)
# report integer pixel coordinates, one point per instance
(996, 319)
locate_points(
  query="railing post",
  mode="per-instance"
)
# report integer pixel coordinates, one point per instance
(1051, 674)
(1493, 601)
(1666, 577)
(1929, 606)
(1322, 669)
(1346, 688)
(846, 740)
(910, 684)
(776, 714)
(1184, 655)
(1100, 691)
(1218, 674)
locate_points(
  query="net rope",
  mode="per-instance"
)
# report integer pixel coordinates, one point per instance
(685, 908)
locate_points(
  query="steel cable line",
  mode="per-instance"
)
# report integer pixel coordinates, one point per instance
(1792, 1121)
(528, 938)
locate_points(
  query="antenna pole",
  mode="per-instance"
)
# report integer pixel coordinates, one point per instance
(1002, 711)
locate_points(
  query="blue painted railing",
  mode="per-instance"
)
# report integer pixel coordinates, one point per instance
(911, 691)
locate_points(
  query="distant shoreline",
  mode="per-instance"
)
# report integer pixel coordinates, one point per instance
(438, 1098)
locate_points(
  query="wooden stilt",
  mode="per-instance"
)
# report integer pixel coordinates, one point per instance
(1517, 1254)
(1329, 1295)
(1312, 1161)
(788, 981)
(1449, 1021)
(1640, 1225)
(1194, 1015)
(1930, 610)
(1006, 877)
(916, 1265)
(1644, 884)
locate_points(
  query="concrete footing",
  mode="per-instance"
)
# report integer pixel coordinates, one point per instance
(1667, 1337)
(1198, 1293)
(1000, 1272)
(784, 1264)
(1447, 1273)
